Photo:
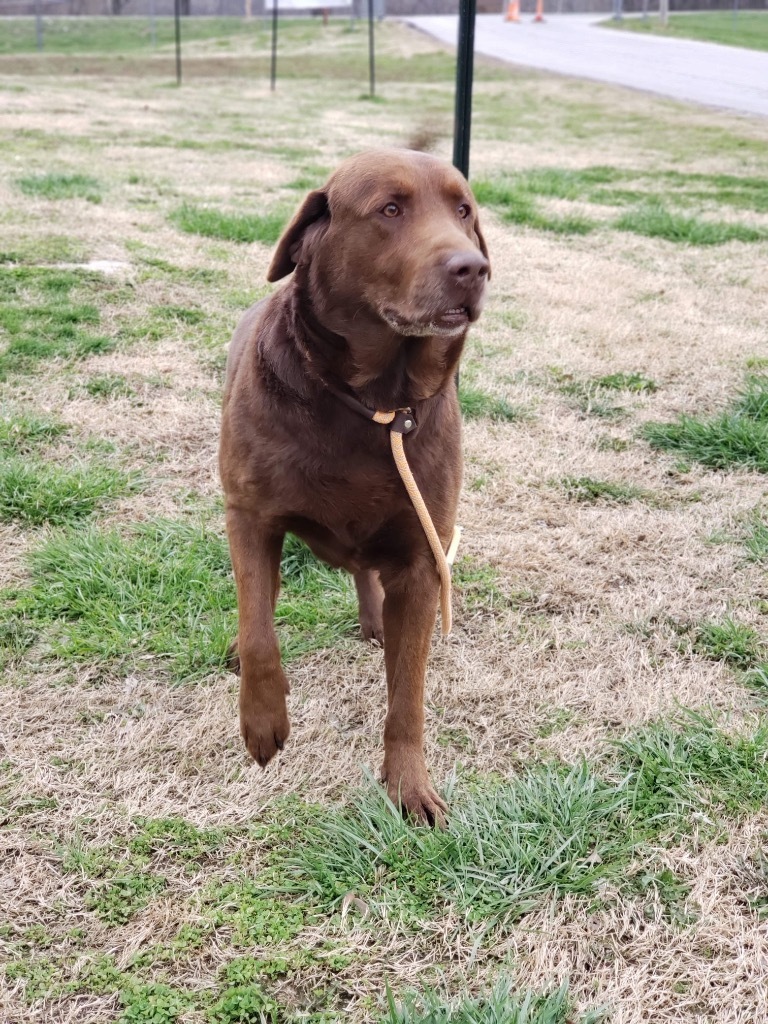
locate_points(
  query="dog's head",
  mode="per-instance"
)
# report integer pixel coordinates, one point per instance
(393, 234)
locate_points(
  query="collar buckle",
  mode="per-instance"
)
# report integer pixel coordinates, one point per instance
(404, 421)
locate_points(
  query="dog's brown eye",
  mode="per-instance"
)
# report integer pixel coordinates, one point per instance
(464, 211)
(391, 210)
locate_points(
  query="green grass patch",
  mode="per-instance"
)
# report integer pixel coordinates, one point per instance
(55, 185)
(501, 1006)
(38, 493)
(662, 887)
(244, 1003)
(636, 382)
(508, 848)
(742, 28)
(152, 1003)
(120, 878)
(251, 915)
(311, 176)
(39, 976)
(23, 433)
(614, 186)
(756, 540)
(647, 195)
(478, 585)
(175, 837)
(654, 220)
(594, 396)
(45, 249)
(317, 604)
(690, 767)
(116, 35)
(519, 207)
(47, 314)
(230, 227)
(735, 438)
(157, 323)
(555, 183)
(148, 841)
(164, 590)
(108, 385)
(478, 404)
(116, 901)
(757, 679)
(588, 490)
(731, 642)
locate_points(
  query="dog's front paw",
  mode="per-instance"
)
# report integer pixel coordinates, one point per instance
(264, 729)
(409, 787)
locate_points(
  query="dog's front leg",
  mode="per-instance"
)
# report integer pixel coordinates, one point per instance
(410, 609)
(256, 562)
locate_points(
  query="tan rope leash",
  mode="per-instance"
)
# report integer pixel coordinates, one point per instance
(442, 560)
(400, 422)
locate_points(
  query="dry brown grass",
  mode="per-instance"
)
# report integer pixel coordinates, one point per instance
(590, 633)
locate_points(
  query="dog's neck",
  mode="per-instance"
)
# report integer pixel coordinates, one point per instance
(382, 368)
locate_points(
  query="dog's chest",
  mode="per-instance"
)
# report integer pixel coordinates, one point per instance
(349, 496)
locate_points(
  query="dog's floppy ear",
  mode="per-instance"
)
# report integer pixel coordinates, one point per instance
(481, 242)
(314, 207)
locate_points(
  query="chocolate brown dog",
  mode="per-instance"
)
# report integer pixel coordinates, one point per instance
(389, 269)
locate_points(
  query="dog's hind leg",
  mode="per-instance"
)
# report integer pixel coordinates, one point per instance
(370, 599)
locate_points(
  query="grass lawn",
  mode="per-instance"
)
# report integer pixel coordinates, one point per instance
(743, 28)
(120, 35)
(598, 720)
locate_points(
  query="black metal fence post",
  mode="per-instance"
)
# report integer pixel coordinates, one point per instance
(273, 62)
(371, 56)
(177, 19)
(39, 24)
(465, 56)
(464, 69)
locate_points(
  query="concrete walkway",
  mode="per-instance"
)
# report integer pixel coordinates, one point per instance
(574, 44)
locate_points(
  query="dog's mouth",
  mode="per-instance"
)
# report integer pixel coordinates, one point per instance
(458, 316)
(447, 322)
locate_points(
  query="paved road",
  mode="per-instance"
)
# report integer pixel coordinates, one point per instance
(573, 44)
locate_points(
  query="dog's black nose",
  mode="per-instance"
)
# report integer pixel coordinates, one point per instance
(468, 267)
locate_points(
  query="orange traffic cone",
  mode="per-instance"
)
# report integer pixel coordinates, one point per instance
(513, 11)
